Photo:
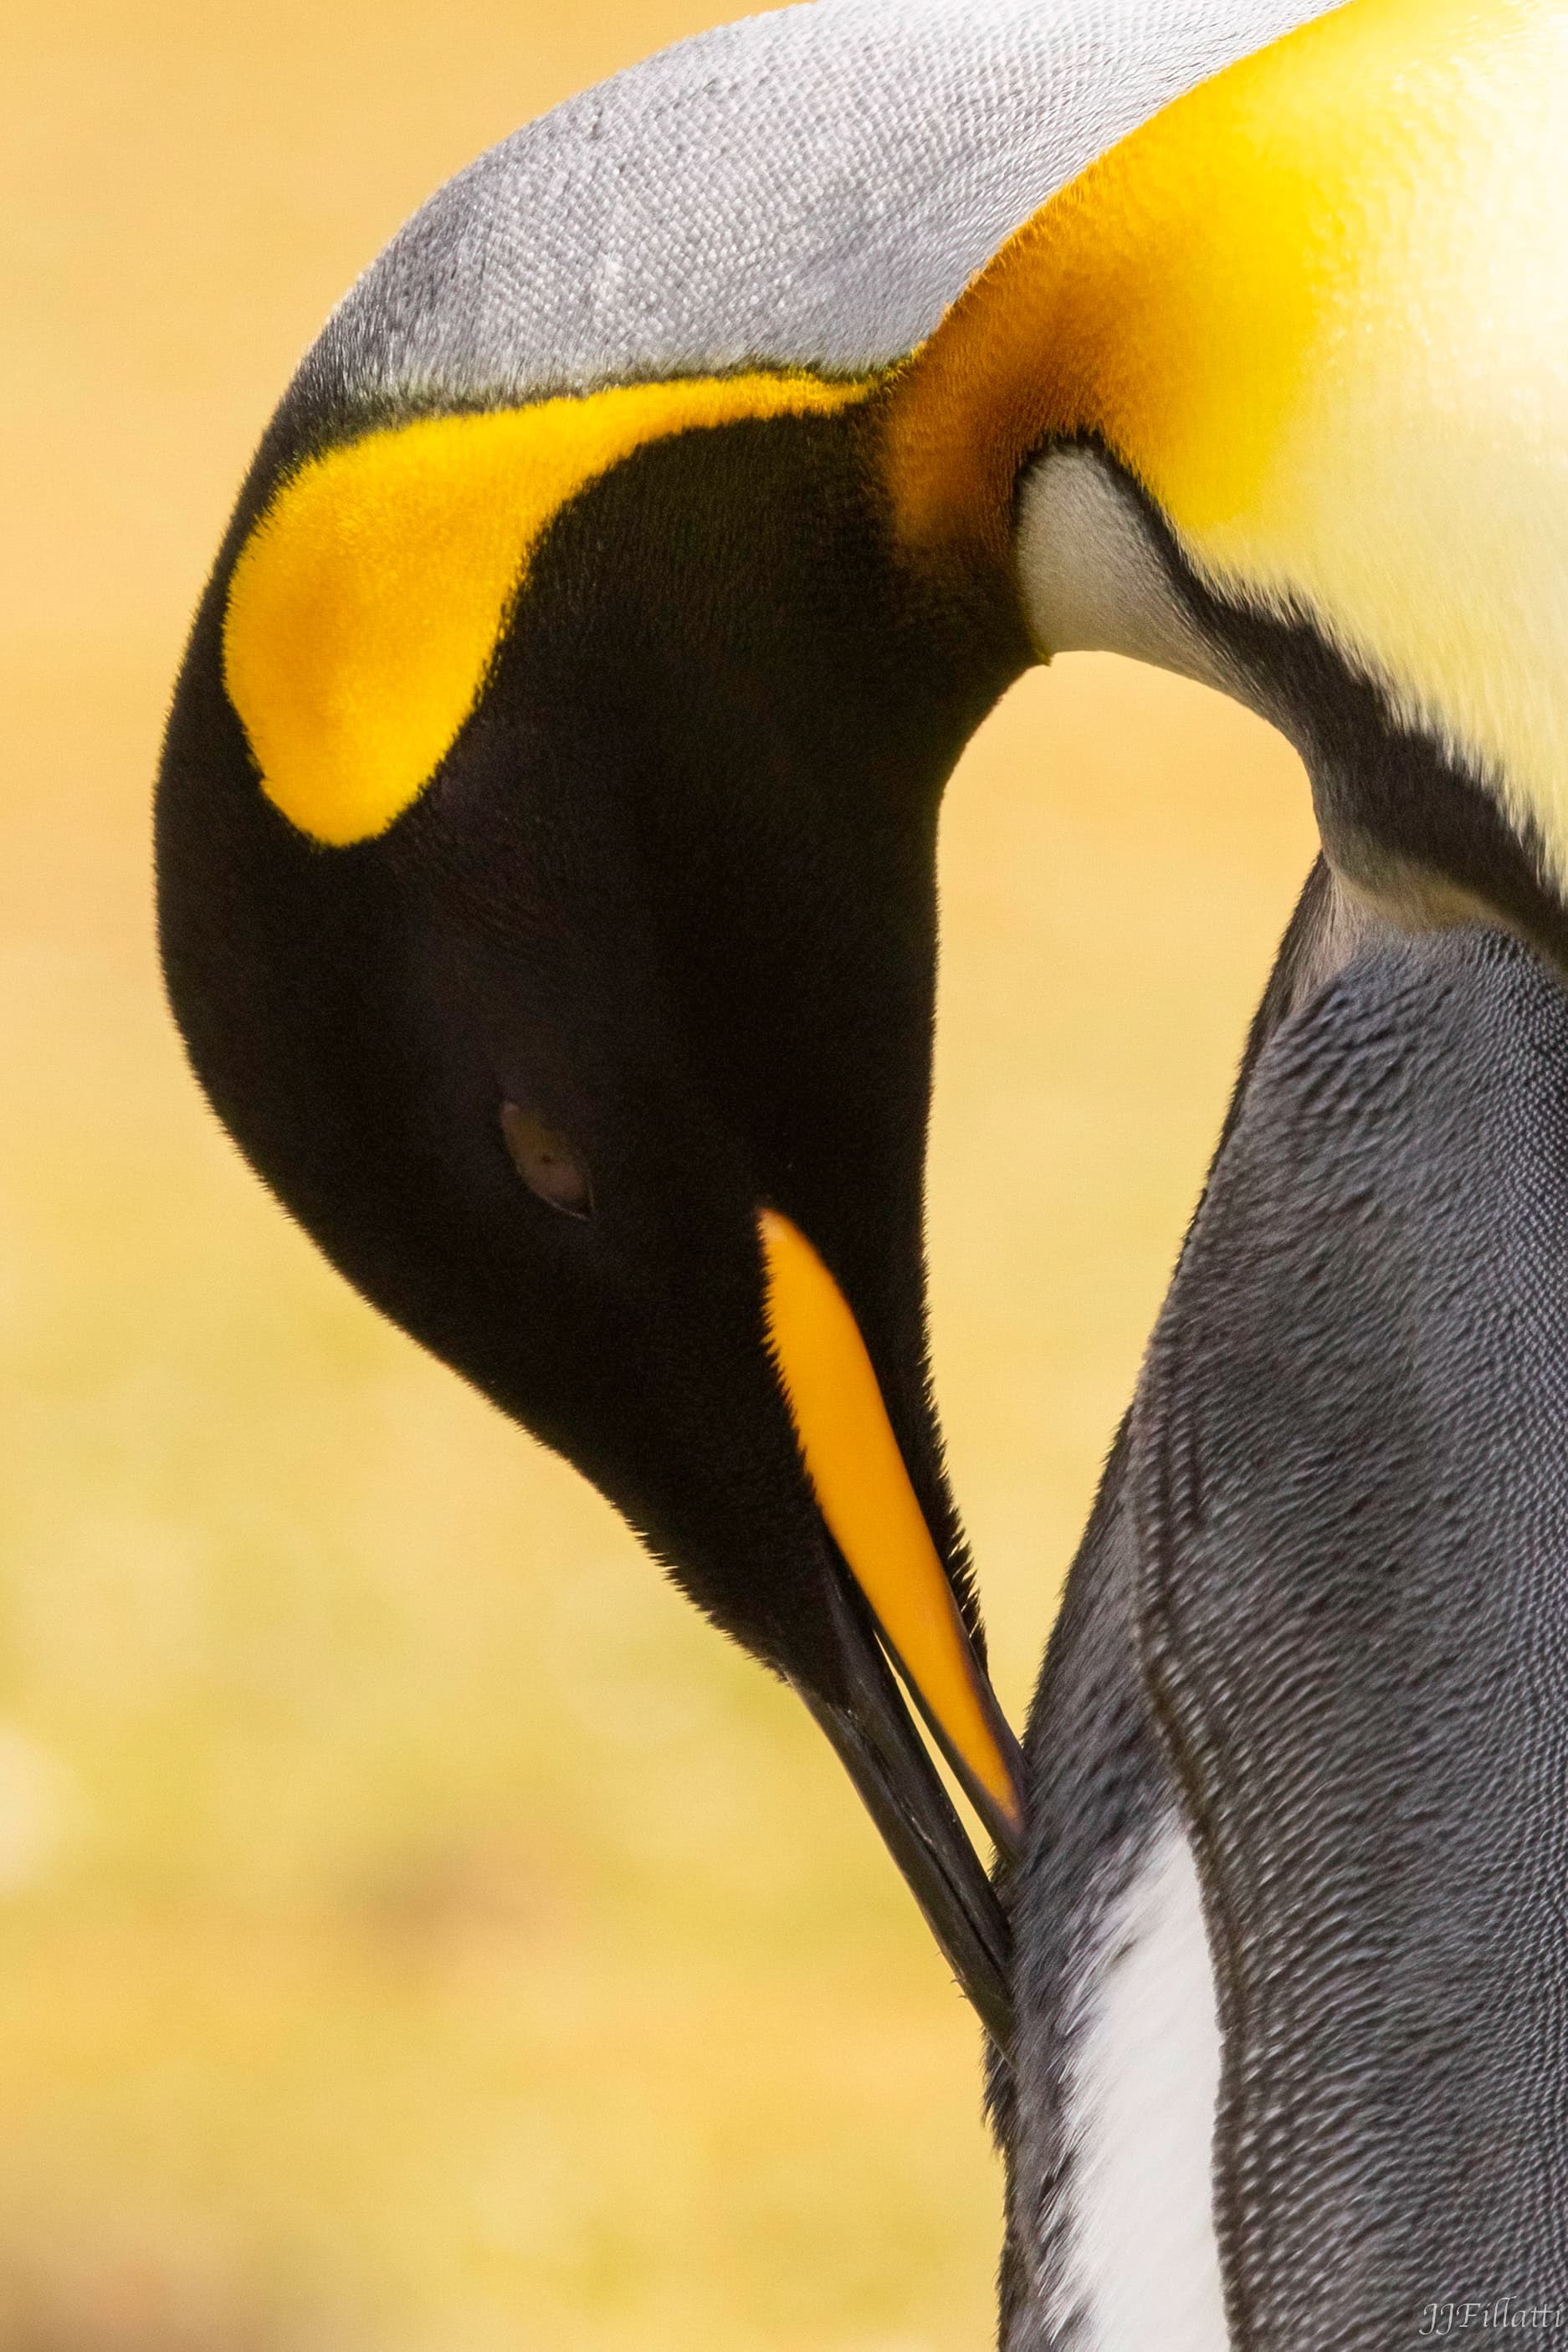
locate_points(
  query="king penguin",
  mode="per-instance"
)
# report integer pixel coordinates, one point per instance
(546, 864)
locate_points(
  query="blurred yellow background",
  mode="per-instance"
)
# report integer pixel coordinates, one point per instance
(418, 1933)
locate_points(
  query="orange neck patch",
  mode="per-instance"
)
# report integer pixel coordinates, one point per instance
(1185, 295)
(1317, 310)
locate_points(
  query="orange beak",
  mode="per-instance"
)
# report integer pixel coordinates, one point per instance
(868, 1504)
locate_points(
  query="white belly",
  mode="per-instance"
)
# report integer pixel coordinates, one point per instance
(1143, 2259)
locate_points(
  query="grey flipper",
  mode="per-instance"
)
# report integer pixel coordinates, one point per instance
(1318, 1634)
(1102, 1802)
(1352, 1480)
(1098, 1793)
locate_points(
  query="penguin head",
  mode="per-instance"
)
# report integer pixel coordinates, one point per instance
(546, 832)
(546, 854)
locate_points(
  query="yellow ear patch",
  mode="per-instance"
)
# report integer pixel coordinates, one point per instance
(366, 606)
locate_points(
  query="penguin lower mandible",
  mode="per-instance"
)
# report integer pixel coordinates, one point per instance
(546, 825)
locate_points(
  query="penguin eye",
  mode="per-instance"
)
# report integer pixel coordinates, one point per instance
(545, 1161)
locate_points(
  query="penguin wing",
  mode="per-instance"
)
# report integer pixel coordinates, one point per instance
(1351, 1468)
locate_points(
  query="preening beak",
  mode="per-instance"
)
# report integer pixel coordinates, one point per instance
(896, 1597)
(885, 1757)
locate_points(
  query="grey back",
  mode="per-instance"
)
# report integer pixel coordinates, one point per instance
(809, 187)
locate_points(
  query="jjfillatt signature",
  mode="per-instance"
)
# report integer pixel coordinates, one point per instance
(1507, 2311)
